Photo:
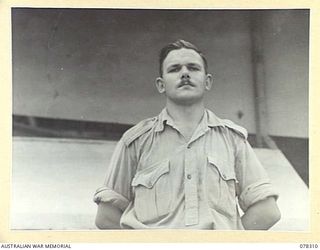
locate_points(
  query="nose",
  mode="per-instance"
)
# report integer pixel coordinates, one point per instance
(185, 73)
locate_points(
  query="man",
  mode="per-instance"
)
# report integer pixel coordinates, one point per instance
(185, 168)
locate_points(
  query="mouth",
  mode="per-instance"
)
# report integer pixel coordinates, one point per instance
(185, 83)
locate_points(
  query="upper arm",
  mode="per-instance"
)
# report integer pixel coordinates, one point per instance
(121, 170)
(253, 181)
(116, 193)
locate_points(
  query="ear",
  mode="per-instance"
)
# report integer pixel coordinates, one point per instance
(160, 85)
(209, 81)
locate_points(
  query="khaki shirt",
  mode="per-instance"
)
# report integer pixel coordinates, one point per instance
(160, 180)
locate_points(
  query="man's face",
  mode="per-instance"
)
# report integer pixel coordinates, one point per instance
(184, 80)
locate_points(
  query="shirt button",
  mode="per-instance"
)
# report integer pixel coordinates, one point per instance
(189, 176)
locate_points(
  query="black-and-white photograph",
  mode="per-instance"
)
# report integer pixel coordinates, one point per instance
(160, 119)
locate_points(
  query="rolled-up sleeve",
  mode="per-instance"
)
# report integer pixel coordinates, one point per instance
(253, 181)
(104, 194)
(116, 189)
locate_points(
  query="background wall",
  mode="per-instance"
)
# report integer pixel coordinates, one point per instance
(286, 46)
(100, 65)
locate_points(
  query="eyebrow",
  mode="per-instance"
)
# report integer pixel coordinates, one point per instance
(194, 64)
(179, 65)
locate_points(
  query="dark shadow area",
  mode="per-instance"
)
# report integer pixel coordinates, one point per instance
(64, 128)
(297, 152)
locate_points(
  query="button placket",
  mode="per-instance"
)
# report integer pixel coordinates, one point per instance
(191, 190)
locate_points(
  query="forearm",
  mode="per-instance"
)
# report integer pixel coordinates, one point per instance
(261, 215)
(108, 216)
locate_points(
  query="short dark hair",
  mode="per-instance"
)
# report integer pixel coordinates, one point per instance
(179, 44)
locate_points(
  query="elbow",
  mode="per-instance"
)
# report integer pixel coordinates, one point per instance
(108, 217)
(273, 216)
(104, 223)
(262, 215)
(100, 224)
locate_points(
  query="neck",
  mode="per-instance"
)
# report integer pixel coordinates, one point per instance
(191, 114)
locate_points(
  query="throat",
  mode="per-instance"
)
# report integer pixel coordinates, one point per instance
(187, 131)
(186, 119)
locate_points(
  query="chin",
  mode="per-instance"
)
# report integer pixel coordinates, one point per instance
(187, 100)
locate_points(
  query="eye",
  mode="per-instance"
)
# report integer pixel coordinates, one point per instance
(174, 69)
(193, 68)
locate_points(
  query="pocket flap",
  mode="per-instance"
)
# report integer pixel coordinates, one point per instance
(224, 168)
(148, 177)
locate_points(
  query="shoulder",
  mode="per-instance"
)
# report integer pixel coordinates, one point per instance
(241, 131)
(215, 121)
(138, 130)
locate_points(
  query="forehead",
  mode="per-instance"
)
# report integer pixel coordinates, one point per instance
(182, 56)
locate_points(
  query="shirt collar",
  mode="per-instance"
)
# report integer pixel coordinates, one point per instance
(209, 120)
(213, 120)
(164, 117)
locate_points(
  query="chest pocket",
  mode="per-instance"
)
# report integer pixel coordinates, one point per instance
(221, 186)
(151, 187)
